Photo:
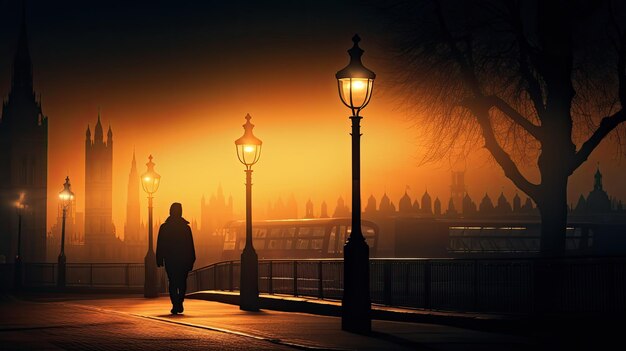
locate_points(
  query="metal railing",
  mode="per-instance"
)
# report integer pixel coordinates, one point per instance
(129, 276)
(567, 285)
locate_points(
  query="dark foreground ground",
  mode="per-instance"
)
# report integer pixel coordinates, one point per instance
(113, 322)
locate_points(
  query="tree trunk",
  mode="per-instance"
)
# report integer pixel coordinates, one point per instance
(553, 209)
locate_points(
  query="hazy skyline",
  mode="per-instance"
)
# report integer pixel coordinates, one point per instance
(176, 81)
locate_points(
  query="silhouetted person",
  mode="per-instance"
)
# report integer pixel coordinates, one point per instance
(175, 249)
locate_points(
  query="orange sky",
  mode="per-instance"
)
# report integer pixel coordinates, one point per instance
(179, 87)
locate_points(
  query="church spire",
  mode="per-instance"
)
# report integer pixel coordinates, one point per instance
(98, 136)
(598, 179)
(22, 64)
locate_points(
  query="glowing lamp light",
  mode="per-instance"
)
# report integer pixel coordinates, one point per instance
(20, 203)
(248, 146)
(150, 180)
(66, 195)
(355, 81)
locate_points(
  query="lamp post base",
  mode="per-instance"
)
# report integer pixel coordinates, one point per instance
(249, 283)
(356, 304)
(17, 274)
(150, 282)
(61, 271)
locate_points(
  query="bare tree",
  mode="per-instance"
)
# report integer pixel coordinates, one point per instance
(540, 80)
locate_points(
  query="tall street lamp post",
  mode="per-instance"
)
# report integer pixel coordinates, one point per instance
(19, 206)
(248, 152)
(355, 84)
(150, 181)
(66, 196)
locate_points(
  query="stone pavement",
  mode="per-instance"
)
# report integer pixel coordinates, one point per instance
(90, 322)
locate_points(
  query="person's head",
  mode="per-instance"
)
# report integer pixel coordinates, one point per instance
(176, 210)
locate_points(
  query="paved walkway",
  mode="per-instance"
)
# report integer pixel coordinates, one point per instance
(91, 322)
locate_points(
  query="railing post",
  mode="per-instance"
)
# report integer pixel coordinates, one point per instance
(198, 281)
(387, 273)
(475, 286)
(270, 283)
(230, 276)
(127, 275)
(426, 283)
(215, 277)
(295, 278)
(320, 280)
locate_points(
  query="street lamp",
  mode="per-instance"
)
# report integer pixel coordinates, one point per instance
(66, 196)
(355, 83)
(150, 182)
(248, 152)
(19, 206)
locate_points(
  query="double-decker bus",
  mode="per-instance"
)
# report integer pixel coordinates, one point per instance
(296, 238)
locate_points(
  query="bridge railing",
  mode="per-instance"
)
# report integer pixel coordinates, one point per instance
(520, 286)
(89, 275)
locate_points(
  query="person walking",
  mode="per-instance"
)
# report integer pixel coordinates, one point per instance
(175, 249)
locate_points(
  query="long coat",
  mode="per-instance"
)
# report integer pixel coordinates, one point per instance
(175, 245)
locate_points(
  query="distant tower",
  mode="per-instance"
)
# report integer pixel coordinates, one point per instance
(23, 161)
(341, 210)
(99, 231)
(437, 207)
(370, 209)
(458, 190)
(486, 206)
(386, 207)
(426, 203)
(405, 206)
(324, 210)
(133, 239)
(517, 203)
(503, 206)
(469, 207)
(309, 209)
(598, 200)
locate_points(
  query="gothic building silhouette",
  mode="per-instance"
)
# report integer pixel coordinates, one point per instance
(100, 240)
(597, 201)
(23, 161)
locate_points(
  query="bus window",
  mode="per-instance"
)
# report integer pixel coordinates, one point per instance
(317, 232)
(288, 243)
(302, 244)
(316, 244)
(289, 232)
(259, 233)
(332, 240)
(275, 233)
(229, 245)
(304, 232)
(274, 244)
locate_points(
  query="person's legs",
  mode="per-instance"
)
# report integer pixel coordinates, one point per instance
(182, 288)
(173, 290)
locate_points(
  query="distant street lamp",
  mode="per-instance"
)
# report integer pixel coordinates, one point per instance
(66, 196)
(150, 182)
(248, 152)
(19, 206)
(355, 84)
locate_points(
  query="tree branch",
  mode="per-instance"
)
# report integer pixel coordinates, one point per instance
(606, 126)
(509, 167)
(515, 116)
